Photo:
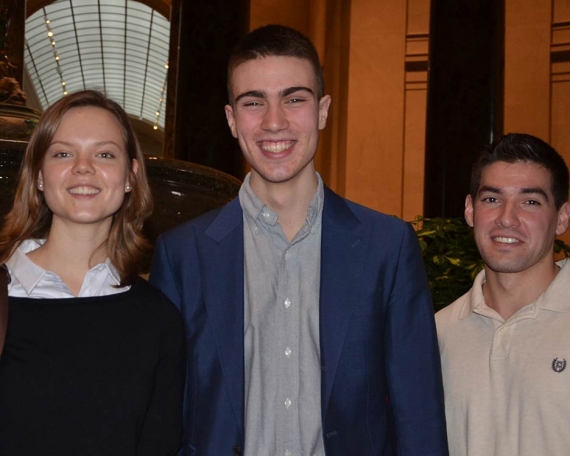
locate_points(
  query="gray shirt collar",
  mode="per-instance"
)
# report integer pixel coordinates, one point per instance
(257, 211)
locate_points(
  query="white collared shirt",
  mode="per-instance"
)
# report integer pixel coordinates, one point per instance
(31, 281)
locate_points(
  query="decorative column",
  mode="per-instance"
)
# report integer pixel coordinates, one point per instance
(16, 120)
(203, 34)
(465, 97)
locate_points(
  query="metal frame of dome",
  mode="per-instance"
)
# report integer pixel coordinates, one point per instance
(119, 47)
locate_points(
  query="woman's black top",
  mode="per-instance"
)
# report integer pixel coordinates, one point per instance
(97, 376)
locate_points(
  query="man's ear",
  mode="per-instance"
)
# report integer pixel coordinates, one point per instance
(563, 219)
(231, 119)
(469, 210)
(324, 104)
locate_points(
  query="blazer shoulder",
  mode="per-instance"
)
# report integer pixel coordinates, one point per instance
(364, 214)
(202, 222)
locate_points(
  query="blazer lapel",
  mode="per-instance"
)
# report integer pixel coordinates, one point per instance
(223, 293)
(341, 263)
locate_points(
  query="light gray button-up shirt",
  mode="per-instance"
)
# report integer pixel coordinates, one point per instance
(281, 331)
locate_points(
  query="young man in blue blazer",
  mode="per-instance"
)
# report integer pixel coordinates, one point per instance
(309, 322)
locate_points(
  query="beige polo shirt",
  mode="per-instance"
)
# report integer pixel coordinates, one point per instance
(507, 383)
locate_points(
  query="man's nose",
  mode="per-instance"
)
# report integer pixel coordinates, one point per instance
(508, 215)
(275, 118)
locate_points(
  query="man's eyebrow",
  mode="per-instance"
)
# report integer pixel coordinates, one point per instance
(291, 90)
(251, 93)
(283, 93)
(535, 190)
(524, 191)
(488, 188)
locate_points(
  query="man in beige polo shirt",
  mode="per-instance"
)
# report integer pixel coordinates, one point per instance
(505, 344)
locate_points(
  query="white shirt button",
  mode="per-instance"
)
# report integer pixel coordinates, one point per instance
(287, 352)
(287, 453)
(287, 403)
(266, 215)
(287, 303)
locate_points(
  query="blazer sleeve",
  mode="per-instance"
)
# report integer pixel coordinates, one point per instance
(412, 358)
(162, 273)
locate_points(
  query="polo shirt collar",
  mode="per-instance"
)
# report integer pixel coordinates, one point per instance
(555, 297)
(551, 299)
(474, 297)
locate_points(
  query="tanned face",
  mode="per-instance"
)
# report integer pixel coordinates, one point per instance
(514, 217)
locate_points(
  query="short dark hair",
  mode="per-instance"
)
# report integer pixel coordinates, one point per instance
(275, 40)
(520, 147)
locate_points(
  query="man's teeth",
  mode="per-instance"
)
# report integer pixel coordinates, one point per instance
(276, 147)
(506, 240)
(84, 190)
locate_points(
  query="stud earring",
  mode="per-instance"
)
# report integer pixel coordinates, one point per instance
(128, 188)
(40, 186)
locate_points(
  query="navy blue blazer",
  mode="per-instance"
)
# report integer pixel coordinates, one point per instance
(381, 389)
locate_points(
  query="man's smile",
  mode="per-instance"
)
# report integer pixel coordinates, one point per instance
(505, 240)
(275, 146)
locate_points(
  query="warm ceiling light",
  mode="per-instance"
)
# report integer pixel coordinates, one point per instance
(155, 127)
(53, 43)
(63, 83)
(47, 21)
(50, 33)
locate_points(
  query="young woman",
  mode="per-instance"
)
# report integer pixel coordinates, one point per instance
(93, 362)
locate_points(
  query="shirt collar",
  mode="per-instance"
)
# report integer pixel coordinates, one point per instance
(475, 298)
(554, 297)
(24, 270)
(260, 213)
(29, 274)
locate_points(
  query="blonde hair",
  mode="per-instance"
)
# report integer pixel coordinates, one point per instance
(30, 217)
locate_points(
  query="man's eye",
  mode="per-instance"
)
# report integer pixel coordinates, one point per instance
(533, 203)
(252, 103)
(489, 199)
(295, 100)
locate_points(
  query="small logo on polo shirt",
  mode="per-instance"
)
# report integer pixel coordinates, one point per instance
(558, 365)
